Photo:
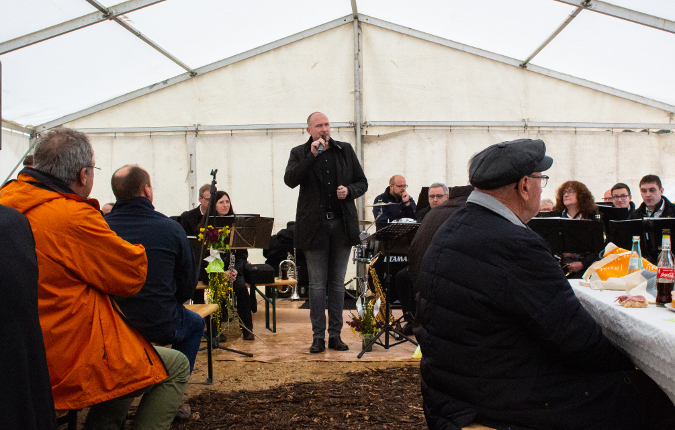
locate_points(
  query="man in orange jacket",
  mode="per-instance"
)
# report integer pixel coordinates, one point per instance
(95, 358)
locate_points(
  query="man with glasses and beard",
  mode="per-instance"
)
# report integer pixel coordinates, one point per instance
(402, 205)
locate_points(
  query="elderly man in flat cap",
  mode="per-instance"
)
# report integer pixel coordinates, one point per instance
(505, 342)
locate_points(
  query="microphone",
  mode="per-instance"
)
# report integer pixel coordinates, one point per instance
(320, 149)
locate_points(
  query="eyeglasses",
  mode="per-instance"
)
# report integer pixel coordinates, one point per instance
(401, 186)
(436, 196)
(569, 192)
(96, 169)
(544, 179)
(621, 197)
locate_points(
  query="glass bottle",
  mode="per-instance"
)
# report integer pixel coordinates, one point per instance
(635, 263)
(665, 276)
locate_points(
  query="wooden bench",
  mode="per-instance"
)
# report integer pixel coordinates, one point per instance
(270, 297)
(205, 311)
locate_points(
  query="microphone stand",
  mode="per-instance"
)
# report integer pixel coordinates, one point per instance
(214, 341)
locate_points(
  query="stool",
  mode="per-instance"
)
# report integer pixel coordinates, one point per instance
(270, 297)
(205, 312)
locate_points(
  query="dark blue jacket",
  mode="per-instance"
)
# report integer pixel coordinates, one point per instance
(505, 339)
(172, 273)
(384, 214)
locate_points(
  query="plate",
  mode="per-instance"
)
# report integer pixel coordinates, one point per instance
(670, 306)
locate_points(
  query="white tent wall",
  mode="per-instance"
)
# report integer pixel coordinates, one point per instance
(410, 79)
(164, 156)
(598, 158)
(280, 86)
(14, 146)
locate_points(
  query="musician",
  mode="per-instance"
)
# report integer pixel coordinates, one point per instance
(327, 225)
(190, 220)
(654, 203)
(505, 341)
(438, 193)
(403, 206)
(621, 196)
(222, 207)
(546, 205)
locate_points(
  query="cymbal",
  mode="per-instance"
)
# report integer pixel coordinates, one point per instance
(381, 204)
(364, 222)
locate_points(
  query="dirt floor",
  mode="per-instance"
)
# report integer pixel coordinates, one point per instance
(283, 386)
(316, 395)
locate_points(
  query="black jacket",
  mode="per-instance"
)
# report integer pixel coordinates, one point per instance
(641, 211)
(384, 214)
(505, 339)
(190, 220)
(302, 169)
(157, 309)
(27, 401)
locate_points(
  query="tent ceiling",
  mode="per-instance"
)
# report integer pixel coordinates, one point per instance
(71, 72)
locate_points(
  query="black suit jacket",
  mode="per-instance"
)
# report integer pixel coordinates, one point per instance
(189, 220)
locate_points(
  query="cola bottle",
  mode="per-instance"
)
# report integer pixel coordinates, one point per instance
(635, 262)
(665, 276)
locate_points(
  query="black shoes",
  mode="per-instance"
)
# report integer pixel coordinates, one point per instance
(337, 344)
(318, 345)
(407, 329)
(248, 335)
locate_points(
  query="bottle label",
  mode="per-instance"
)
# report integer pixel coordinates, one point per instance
(665, 273)
(633, 262)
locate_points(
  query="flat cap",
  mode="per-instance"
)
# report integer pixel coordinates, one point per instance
(507, 162)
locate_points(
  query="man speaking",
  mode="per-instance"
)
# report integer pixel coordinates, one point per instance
(505, 341)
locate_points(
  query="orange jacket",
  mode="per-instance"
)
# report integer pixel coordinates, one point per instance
(93, 354)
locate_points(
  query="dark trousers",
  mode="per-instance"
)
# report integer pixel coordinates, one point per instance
(406, 295)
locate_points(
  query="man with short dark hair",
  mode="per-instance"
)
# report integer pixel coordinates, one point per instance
(190, 220)
(95, 358)
(621, 196)
(327, 225)
(395, 203)
(505, 341)
(654, 203)
(28, 161)
(157, 310)
(437, 193)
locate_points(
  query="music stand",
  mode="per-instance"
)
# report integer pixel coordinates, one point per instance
(653, 228)
(395, 237)
(621, 233)
(612, 213)
(570, 235)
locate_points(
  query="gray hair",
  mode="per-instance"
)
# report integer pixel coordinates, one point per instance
(439, 185)
(63, 153)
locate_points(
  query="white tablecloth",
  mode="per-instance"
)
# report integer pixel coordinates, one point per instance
(644, 334)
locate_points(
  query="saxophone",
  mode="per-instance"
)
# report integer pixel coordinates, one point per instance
(379, 293)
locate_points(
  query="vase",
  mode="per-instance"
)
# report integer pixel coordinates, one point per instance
(365, 340)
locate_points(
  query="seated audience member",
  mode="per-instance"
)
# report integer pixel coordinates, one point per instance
(190, 219)
(157, 310)
(438, 193)
(505, 341)
(575, 201)
(654, 203)
(281, 244)
(621, 197)
(222, 207)
(27, 394)
(546, 205)
(95, 358)
(28, 161)
(396, 192)
(106, 208)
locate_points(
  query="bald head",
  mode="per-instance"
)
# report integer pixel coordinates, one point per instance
(397, 186)
(131, 181)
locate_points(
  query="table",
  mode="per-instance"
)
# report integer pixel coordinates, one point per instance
(644, 335)
(270, 297)
(205, 311)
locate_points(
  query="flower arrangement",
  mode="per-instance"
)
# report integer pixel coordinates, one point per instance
(365, 323)
(220, 282)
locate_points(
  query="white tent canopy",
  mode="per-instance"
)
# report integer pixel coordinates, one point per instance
(417, 92)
